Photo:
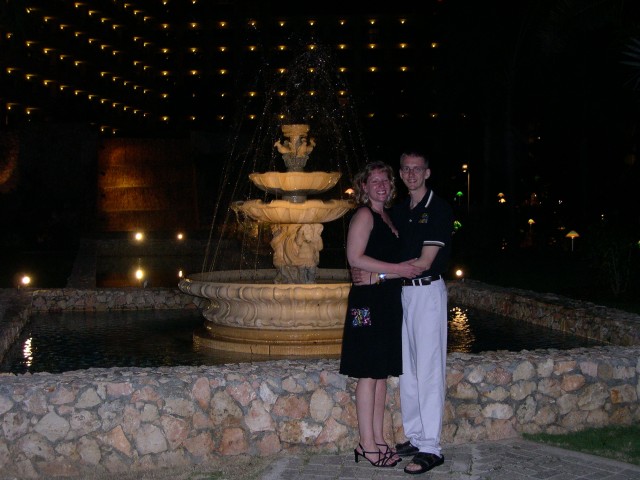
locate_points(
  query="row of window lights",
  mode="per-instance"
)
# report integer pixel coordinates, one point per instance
(166, 118)
(166, 73)
(222, 23)
(220, 48)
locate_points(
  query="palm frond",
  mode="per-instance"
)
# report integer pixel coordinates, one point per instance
(632, 59)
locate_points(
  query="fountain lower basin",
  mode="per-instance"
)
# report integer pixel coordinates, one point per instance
(248, 313)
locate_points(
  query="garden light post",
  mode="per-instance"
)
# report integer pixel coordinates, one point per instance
(572, 235)
(465, 169)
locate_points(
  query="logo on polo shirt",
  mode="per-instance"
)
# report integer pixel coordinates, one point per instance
(424, 218)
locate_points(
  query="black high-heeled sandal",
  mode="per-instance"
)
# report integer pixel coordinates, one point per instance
(383, 459)
(389, 452)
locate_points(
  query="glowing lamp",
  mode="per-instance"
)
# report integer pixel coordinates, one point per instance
(572, 235)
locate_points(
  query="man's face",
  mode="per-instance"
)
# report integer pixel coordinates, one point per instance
(413, 172)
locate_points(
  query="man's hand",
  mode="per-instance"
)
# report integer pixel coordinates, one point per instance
(406, 269)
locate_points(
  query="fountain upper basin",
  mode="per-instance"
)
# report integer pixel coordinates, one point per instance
(283, 211)
(298, 183)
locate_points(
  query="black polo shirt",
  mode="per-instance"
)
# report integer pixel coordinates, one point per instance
(429, 223)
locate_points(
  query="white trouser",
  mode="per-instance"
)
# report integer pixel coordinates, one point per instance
(424, 363)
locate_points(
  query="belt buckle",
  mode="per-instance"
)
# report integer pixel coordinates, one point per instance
(425, 280)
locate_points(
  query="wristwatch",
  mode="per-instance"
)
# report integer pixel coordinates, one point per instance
(382, 277)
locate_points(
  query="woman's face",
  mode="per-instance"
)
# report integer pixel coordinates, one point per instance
(378, 186)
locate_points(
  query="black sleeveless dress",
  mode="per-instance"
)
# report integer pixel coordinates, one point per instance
(371, 342)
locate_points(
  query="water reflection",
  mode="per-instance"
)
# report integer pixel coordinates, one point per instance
(475, 331)
(460, 334)
(27, 352)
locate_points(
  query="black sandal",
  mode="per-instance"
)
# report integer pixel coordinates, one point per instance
(383, 459)
(388, 451)
(426, 461)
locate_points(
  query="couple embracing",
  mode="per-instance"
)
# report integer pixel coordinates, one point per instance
(396, 322)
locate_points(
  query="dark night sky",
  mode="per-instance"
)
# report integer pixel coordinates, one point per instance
(533, 94)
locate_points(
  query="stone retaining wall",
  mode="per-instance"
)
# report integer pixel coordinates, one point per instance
(584, 319)
(117, 420)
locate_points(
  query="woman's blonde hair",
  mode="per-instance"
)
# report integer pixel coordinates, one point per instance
(363, 175)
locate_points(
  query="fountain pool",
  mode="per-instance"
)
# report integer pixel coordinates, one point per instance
(59, 342)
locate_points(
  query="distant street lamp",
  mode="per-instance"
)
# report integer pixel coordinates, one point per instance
(531, 222)
(465, 169)
(572, 235)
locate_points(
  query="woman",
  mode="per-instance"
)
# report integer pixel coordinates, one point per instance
(371, 345)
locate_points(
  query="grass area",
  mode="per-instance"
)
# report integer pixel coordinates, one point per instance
(619, 442)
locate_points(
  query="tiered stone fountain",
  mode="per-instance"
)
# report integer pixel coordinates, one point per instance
(296, 308)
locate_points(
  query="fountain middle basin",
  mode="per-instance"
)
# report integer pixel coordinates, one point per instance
(249, 313)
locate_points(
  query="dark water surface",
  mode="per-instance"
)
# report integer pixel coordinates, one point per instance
(59, 342)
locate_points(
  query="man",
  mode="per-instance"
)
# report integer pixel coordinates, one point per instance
(425, 224)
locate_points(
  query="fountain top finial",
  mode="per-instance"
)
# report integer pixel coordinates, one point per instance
(295, 151)
(295, 129)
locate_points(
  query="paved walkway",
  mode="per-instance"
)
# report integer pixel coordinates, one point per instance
(512, 459)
